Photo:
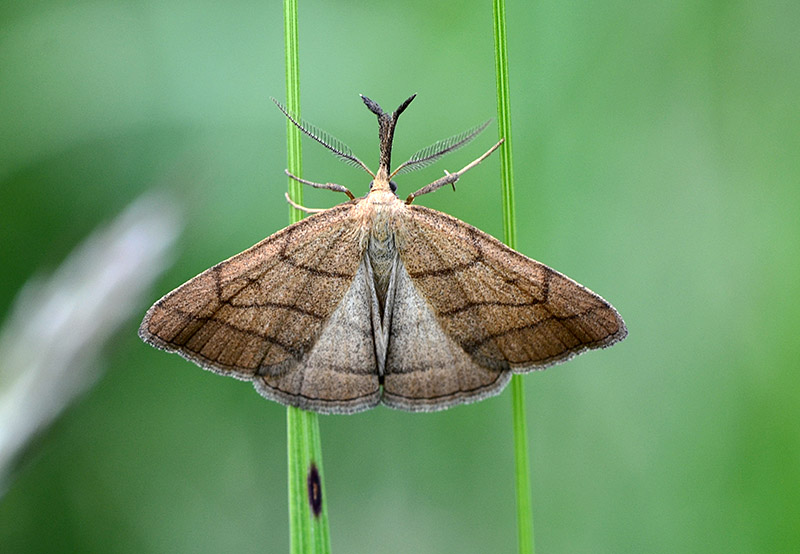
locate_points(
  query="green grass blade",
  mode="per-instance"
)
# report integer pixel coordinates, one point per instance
(308, 528)
(504, 123)
(293, 143)
(522, 465)
(309, 532)
(521, 456)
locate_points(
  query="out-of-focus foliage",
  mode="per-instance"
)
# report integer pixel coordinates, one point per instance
(656, 162)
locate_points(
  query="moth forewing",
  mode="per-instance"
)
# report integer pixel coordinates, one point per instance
(261, 311)
(500, 306)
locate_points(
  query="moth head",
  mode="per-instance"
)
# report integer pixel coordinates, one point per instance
(386, 125)
(392, 186)
(387, 121)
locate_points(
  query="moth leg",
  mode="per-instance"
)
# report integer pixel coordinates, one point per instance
(451, 178)
(330, 186)
(297, 206)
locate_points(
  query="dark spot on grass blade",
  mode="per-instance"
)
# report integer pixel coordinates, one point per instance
(314, 490)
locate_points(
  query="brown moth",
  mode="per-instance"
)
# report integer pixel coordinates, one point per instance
(377, 300)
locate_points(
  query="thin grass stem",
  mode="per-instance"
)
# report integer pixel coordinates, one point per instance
(308, 512)
(521, 455)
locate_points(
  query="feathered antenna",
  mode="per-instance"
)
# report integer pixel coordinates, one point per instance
(337, 147)
(430, 154)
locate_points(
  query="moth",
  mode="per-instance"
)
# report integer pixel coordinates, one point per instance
(378, 300)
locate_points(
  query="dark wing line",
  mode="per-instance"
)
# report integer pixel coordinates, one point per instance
(250, 276)
(611, 338)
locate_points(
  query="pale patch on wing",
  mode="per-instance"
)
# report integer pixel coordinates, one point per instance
(339, 374)
(425, 369)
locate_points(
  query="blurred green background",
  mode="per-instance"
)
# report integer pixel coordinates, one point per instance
(656, 159)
